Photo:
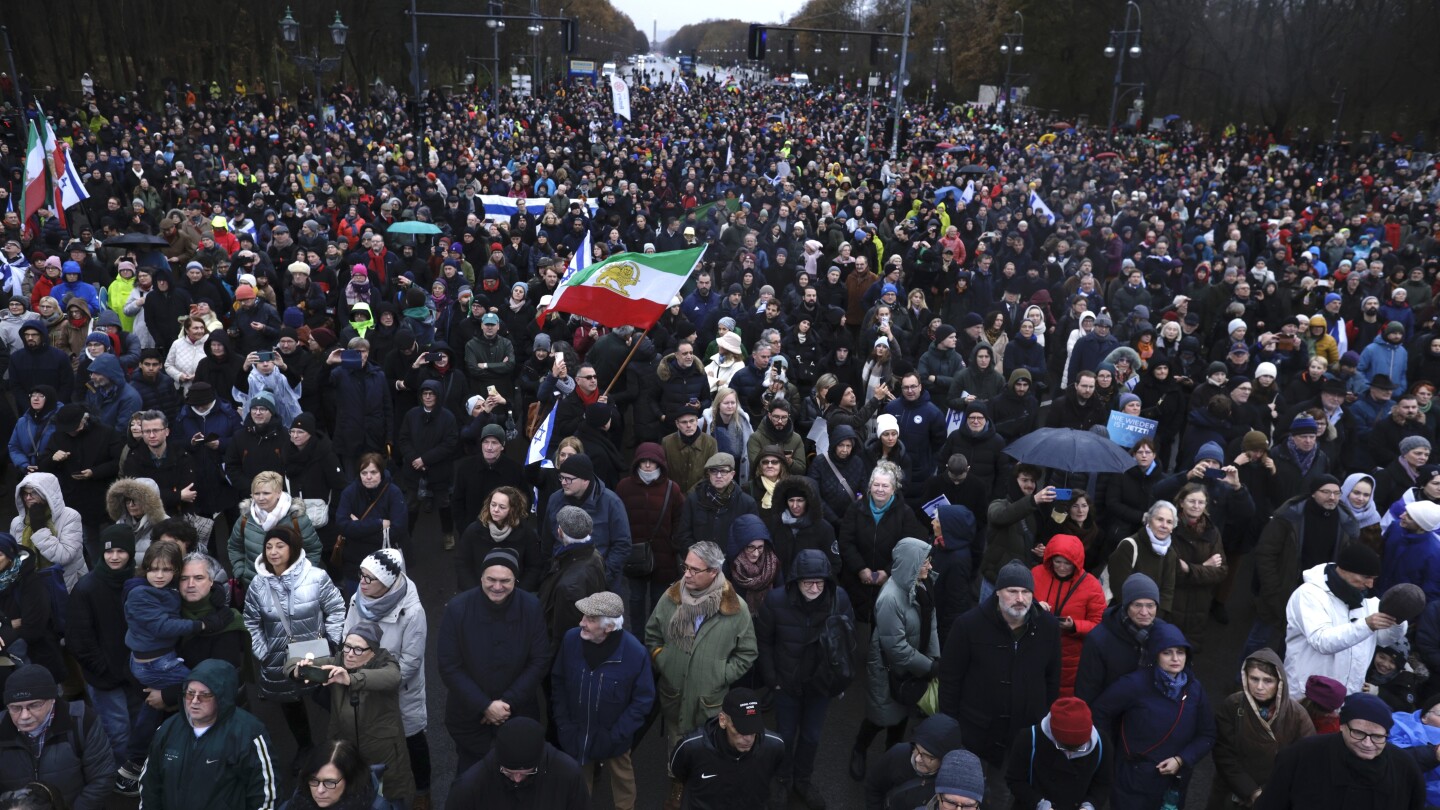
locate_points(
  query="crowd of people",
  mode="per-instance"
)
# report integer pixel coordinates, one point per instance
(245, 369)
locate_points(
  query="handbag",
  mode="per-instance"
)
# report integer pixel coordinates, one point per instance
(641, 562)
(532, 419)
(337, 554)
(316, 509)
(303, 648)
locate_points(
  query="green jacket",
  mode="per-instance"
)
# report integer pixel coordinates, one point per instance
(1012, 529)
(686, 463)
(692, 685)
(229, 767)
(367, 713)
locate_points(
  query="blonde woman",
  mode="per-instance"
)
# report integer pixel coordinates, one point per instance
(730, 425)
(268, 506)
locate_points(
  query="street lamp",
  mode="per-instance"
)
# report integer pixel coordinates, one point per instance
(317, 65)
(1122, 42)
(496, 26)
(1012, 44)
(938, 49)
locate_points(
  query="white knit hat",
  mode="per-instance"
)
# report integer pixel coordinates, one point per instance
(387, 565)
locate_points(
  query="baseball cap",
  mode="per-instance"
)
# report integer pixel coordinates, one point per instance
(742, 706)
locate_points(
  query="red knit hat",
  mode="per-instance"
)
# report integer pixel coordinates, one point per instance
(1070, 722)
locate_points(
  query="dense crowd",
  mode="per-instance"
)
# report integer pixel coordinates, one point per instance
(242, 371)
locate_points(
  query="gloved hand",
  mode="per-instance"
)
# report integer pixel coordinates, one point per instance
(216, 621)
(935, 667)
(217, 598)
(37, 514)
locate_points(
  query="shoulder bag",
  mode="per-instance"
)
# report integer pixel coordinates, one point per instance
(641, 562)
(337, 555)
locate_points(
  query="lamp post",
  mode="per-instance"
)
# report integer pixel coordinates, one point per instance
(938, 49)
(900, 81)
(1123, 43)
(496, 26)
(1012, 45)
(313, 62)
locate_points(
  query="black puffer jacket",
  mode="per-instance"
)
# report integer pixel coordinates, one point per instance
(983, 448)
(809, 531)
(836, 497)
(788, 625)
(867, 544)
(84, 776)
(255, 449)
(679, 385)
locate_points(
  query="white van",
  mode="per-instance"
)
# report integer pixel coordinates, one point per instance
(607, 69)
(799, 79)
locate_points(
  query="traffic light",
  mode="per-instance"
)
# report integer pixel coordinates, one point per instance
(755, 45)
(569, 31)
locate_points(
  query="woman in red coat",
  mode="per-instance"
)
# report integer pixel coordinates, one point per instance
(1064, 588)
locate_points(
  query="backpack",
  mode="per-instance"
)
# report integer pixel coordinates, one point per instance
(52, 579)
(836, 660)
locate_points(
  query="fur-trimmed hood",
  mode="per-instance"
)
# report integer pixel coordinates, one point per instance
(141, 490)
(730, 602)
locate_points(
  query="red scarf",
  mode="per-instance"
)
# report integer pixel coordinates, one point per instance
(376, 263)
(588, 399)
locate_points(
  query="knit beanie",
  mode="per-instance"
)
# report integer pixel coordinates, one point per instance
(1014, 575)
(1070, 721)
(1139, 586)
(960, 775)
(386, 565)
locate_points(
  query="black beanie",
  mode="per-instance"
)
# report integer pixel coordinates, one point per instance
(580, 466)
(519, 743)
(118, 535)
(837, 391)
(597, 415)
(502, 556)
(1359, 559)
(305, 422)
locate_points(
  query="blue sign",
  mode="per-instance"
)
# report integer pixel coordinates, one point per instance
(1125, 430)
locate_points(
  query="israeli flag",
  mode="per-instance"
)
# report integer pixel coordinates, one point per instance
(968, 195)
(1037, 204)
(541, 441)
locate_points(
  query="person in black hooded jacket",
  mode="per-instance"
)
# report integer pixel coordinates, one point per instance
(428, 443)
(594, 434)
(790, 620)
(440, 364)
(222, 367)
(798, 524)
(164, 306)
(904, 776)
(839, 475)
(977, 440)
(1016, 409)
(258, 445)
(551, 779)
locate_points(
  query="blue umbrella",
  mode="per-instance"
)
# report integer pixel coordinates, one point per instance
(1071, 451)
(415, 227)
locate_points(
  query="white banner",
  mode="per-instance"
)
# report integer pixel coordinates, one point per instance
(620, 93)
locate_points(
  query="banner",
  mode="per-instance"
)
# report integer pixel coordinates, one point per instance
(501, 209)
(1125, 430)
(540, 442)
(627, 289)
(620, 94)
(1037, 204)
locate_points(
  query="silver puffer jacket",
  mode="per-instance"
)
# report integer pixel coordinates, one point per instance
(308, 600)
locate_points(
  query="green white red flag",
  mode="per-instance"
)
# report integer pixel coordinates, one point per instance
(627, 289)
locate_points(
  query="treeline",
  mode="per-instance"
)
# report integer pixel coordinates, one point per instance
(1283, 64)
(228, 41)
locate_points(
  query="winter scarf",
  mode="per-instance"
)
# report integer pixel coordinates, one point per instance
(376, 609)
(1352, 596)
(11, 574)
(565, 386)
(649, 476)
(693, 606)
(268, 520)
(1160, 547)
(1302, 460)
(1367, 516)
(878, 512)
(768, 492)
(755, 578)
(1171, 685)
(498, 534)
(715, 499)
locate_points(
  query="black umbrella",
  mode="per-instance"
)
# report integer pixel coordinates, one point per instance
(973, 169)
(1071, 451)
(136, 239)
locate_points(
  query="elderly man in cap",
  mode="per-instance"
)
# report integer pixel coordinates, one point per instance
(521, 771)
(1333, 624)
(490, 358)
(46, 739)
(730, 761)
(1356, 769)
(576, 570)
(598, 726)
(1001, 670)
(493, 649)
(712, 505)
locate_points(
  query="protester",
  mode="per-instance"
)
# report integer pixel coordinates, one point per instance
(1060, 761)
(730, 760)
(1252, 726)
(46, 739)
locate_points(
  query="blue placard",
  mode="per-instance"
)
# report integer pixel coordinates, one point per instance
(1125, 430)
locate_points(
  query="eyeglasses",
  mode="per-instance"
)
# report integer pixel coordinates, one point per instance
(349, 650)
(946, 801)
(695, 572)
(769, 462)
(1360, 736)
(366, 579)
(330, 784)
(584, 376)
(719, 471)
(566, 480)
(512, 772)
(199, 697)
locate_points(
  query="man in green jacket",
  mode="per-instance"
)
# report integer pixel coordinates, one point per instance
(211, 754)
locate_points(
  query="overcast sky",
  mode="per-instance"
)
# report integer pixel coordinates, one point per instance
(671, 15)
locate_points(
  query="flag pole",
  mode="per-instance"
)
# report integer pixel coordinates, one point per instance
(626, 362)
